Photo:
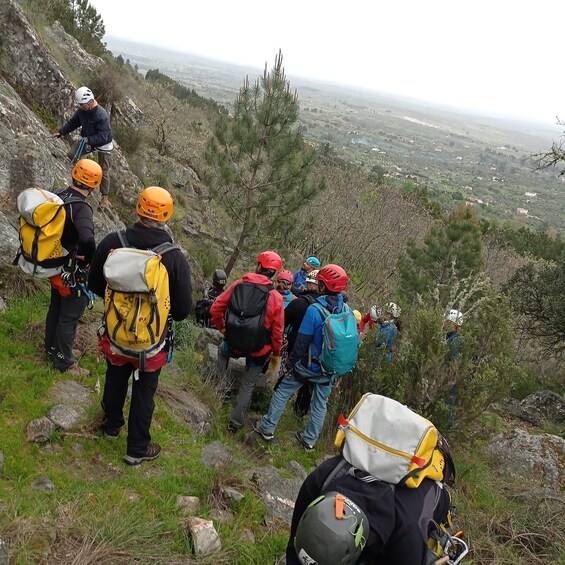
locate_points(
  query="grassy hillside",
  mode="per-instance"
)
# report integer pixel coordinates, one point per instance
(98, 510)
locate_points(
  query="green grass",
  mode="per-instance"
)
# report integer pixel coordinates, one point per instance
(102, 511)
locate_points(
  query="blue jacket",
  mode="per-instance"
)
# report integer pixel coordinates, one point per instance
(95, 126)
(387, 333)
(308, 344)
(299, 282)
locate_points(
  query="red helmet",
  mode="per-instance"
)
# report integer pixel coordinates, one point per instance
(334, 277)
(286, 276)
(270, 260)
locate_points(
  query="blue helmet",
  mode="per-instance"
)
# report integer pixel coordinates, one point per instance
(314, 262)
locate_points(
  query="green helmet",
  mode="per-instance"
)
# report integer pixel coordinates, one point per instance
(325, 538)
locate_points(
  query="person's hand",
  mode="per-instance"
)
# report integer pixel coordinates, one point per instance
(222, 331)
(274, 364)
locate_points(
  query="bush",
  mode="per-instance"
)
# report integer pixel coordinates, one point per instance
(129, 138)
(423, 375)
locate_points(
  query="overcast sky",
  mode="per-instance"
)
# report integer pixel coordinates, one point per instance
(501, 57)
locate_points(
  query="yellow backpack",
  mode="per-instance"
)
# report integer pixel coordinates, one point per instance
(137, 300)
(393, 444)
(42, 220)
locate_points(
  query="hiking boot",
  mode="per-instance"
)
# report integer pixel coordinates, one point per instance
(77, 371)
(259, 430)
(110, 433)
(153, 451)
(104, 202)
(300, 437)
(232, 428)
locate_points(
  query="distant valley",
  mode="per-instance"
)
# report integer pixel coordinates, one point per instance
(457, 156)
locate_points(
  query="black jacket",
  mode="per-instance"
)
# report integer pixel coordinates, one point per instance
(95, 125)
(398, 528)
(294, 313)
(143, 237)
(79, 225)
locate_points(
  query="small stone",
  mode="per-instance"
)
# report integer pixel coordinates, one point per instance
(39, 430)
(205, 539)
(188, 504)
(43, 482)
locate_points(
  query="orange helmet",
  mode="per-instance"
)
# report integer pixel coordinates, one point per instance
(270, 260)
(155, 203)
(334, 277)
(88, 173)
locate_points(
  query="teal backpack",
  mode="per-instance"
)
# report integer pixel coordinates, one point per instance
(340, 343)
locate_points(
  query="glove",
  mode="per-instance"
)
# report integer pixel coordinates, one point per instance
(274, 364)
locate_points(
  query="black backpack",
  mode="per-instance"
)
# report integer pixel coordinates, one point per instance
(245, 318)
(202, 312)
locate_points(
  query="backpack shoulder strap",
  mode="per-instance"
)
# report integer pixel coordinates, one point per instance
(309, 298)
(123, 239)
(72, 199)
(323, 311)
(163, 248)
(345, 468)
(340, 470)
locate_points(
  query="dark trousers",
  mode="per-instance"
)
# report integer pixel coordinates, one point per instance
(61, 327)
(141, 407)
(303, 400)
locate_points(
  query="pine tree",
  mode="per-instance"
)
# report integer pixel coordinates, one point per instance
(538, 299)
(450, 252)
(263, 166)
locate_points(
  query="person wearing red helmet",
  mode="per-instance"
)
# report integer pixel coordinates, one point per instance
(303, 366)
(267, 334)
(284, 282)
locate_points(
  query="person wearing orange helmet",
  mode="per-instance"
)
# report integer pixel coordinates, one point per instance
(68, 299)
(154, 209)
(250, 313)
(303, 366)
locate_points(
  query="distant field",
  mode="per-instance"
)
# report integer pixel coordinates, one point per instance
(458, 157)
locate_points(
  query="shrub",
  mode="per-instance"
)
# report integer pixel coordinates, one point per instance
(129, 138)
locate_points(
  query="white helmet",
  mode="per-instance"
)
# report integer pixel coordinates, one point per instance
(311, 277)
(83, 95)
(374, 313)
(393, 309)
(455, 316)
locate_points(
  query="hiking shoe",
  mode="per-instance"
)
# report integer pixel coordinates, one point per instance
(259, 430)
(110, 433)
(300, 437)
(232, 428)
(153, 451)
(77, 371)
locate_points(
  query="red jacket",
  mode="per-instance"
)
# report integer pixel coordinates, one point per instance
(274, 319)
(366, 320)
